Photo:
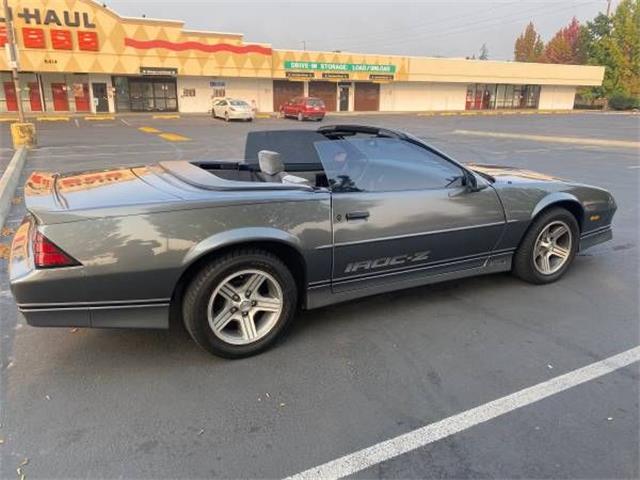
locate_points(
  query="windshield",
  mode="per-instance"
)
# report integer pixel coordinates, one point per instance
(315, 102)
(374, 164)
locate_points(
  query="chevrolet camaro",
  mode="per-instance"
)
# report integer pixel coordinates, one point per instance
(308, 218)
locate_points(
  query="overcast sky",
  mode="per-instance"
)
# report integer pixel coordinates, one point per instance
(423, 27)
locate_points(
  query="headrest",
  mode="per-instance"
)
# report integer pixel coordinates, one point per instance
(270, 162)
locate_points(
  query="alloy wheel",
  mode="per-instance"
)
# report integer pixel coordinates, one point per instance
(552, 248)
(245, 307)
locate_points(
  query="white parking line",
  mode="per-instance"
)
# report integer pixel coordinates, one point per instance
(125, 122)
(365, 458)
(634, 166)
(75, 120)
(600, 142)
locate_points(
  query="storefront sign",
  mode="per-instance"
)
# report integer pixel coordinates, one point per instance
(299, 74)
(336, 76)
(339, 67)
(380, 77)
(66, 18)
(159, 71)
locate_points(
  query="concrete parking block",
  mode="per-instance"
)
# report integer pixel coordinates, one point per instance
(100, 117)
(165, 117)
(61, 118)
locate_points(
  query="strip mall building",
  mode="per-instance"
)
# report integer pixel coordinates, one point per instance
(78, 56)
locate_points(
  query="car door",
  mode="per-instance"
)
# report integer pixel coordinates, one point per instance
(286, 108)
(221, 109)
(402, 211)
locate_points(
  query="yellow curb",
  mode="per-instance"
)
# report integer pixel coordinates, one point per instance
(100, 117)
(174, 137)
(165, 117)
(553, 139)
(8, 119)
(263, 115)
(53, 119)
(149, 130)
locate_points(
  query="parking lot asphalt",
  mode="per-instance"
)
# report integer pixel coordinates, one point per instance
(151, 404)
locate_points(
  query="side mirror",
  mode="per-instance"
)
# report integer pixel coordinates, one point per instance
(471, 183)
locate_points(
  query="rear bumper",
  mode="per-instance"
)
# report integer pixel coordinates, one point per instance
(595, 237)
(313, 114)
(130, 315)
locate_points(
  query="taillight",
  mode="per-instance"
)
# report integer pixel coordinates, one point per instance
(48, 255)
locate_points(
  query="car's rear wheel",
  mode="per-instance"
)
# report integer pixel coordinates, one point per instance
(240, 304)
(548, 248)
(300, 117)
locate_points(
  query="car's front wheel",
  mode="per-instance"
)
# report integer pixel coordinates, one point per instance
(548, 248)
(240, 304)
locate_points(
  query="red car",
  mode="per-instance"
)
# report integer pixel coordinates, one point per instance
(304, 108)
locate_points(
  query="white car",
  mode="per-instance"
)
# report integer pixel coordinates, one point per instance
(232, 109)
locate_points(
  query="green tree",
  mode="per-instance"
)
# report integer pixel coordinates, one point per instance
(625, 46)
(528, 46)
(484, 52)
(615, 44)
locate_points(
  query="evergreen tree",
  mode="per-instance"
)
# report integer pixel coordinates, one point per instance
(484, 52)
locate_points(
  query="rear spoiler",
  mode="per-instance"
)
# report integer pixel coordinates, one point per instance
(41, 193)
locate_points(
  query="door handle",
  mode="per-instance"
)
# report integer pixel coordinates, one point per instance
(357, 216)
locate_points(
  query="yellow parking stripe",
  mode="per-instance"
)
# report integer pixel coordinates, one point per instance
(7, 119)
(174, 137)
(149, 130)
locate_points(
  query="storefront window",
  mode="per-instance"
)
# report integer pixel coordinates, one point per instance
(145, 94)
(121, 85)
(482, 96)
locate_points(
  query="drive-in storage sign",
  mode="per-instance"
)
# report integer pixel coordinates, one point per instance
(339, 67)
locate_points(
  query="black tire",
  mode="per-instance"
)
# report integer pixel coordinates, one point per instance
(197, 295)
(523, 262)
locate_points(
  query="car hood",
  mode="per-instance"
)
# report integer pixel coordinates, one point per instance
(505, 174)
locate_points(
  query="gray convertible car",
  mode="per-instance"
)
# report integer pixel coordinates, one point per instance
(308, 218)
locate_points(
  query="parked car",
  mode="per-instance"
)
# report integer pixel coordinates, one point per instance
(232, 109)
(309, 218)
(304, 108)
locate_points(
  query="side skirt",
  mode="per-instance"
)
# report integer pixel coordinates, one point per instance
(140, 315)
(321, 296)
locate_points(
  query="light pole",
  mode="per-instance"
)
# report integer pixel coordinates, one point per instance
(12, 50)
